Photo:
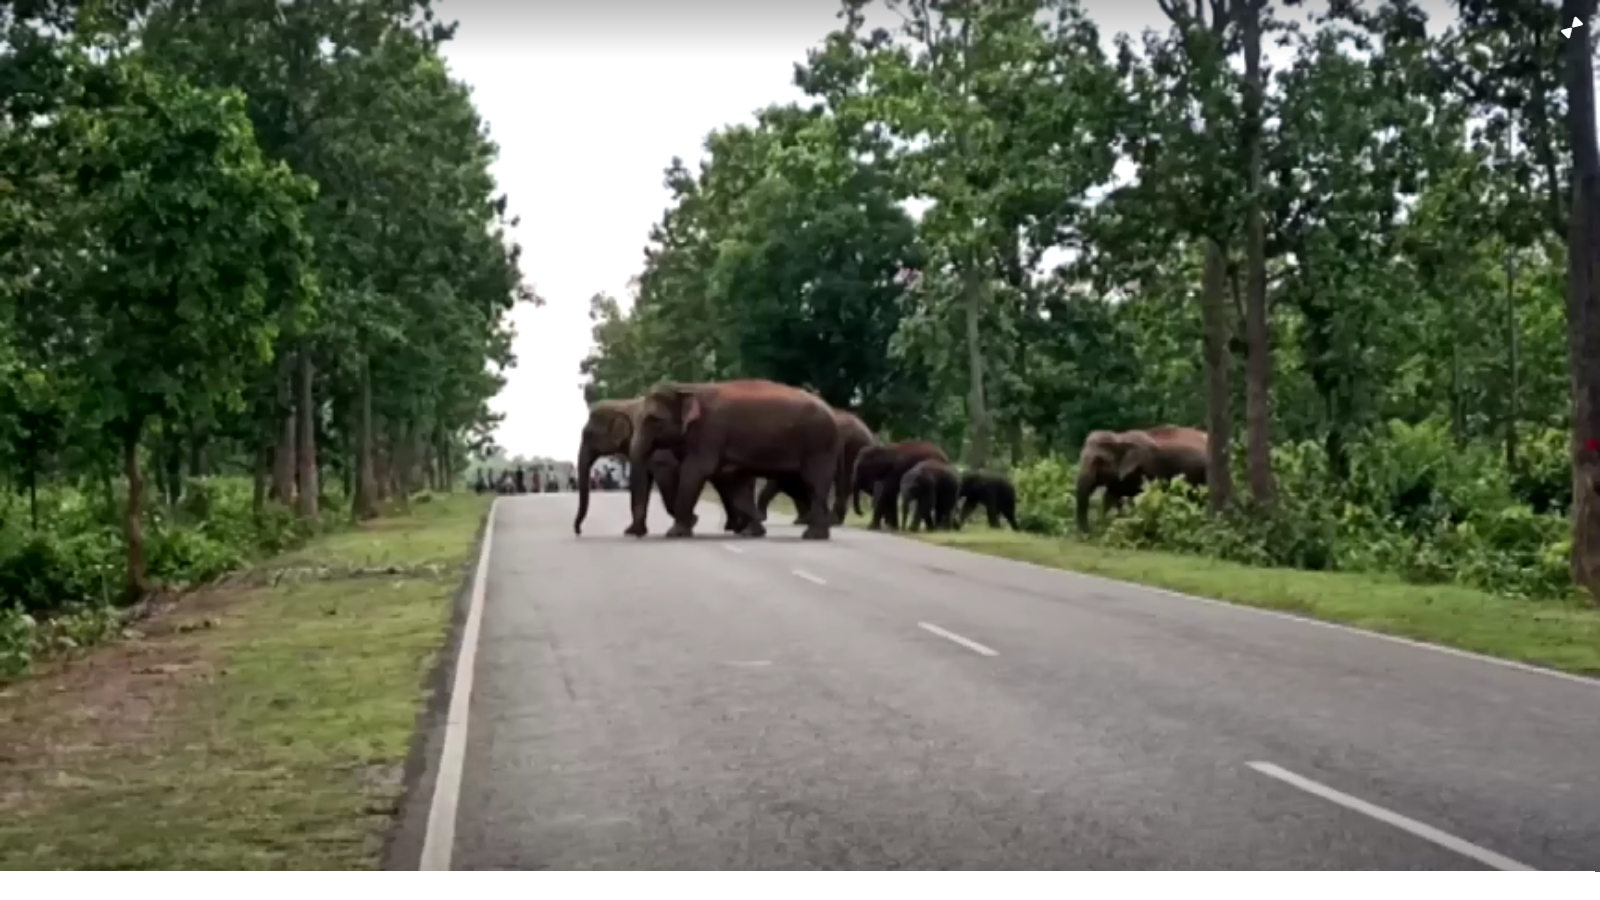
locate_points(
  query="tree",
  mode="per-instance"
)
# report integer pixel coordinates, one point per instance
(187, 231)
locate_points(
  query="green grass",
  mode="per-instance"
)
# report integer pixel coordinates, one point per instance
(430, 534)
(1557, 635)
(265, 728)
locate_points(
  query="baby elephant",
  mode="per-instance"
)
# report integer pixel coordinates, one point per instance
(995, 492)
(928, 493)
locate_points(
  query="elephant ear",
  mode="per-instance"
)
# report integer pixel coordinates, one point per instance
(1136, 447)
(691, 409)
(618, 429)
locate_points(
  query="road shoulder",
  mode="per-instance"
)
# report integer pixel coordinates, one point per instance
(271, 724)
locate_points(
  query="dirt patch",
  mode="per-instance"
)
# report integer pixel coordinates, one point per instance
(111, 699)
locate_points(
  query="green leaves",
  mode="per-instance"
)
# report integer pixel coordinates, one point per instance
(197, 195)
(182, 226)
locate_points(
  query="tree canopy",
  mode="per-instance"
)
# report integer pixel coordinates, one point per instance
(241, 240)
(995, 226)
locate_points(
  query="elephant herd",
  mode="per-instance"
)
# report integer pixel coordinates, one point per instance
(680, 437)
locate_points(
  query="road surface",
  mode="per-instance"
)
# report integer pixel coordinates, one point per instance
(873, 702)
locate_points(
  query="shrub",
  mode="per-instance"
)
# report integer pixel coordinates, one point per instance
(58, 583)
(1414, 505)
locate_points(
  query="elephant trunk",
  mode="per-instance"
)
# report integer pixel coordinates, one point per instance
(1087, 482)
(586, 458)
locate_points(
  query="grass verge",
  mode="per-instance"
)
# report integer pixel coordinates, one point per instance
(252, 727)
(1557, 635)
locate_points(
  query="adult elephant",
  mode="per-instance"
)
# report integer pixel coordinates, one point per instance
(929, 492)
(1121, 463)
(609, 432)
(755, 427)
(854, 437)
(878, 471)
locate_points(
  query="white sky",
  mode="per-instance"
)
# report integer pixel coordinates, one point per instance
(589, 103)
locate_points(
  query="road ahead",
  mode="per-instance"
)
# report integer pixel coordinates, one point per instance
(873, 702)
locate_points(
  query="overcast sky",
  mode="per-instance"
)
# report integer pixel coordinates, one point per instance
(589, 102)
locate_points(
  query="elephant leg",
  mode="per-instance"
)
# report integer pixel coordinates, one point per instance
(692, 478)
(841, 492)
(991, 506)
(911, 505)
(734, 518)
(769, 489)
(665, 474)
(968, 504)
(639, 493)
(795, 489)
(880, 501)
(818, 475)
(742, 491)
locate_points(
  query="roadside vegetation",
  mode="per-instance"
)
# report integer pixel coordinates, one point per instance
(1001, 227)
(254, 287)
(263, 723)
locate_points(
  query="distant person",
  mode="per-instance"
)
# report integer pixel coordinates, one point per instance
(572, 482)
(519, 480)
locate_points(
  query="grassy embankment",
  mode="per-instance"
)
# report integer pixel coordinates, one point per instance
(1558, 635)
(263, 724)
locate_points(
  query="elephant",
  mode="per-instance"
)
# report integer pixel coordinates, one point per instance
(1121, 462)
(878, 471)
(756, 427)
(854, 436)
(928, 492)
(995, 492)
(609, 431)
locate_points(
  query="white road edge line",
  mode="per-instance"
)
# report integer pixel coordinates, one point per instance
(1291, 617)
(802, 573)
(732, 549)
(438, 841)
(1427, 832)
(972, 645)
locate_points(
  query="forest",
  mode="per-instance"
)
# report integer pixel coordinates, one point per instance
(1354, 244)
(254, 285)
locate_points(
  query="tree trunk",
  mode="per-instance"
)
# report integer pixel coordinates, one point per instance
(977, 405)
(197, 452)
(441, 456)
(381, 483)
(1513, 366)
(134, 585)
(261, 475)
(283, 462)
(172, 465)
(1258, 381)
(1583, 300)
(1219, 413)
(306, 431)
(401, 464)
(365, 504)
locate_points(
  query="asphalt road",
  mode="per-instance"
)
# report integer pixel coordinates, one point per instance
(872, 702)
